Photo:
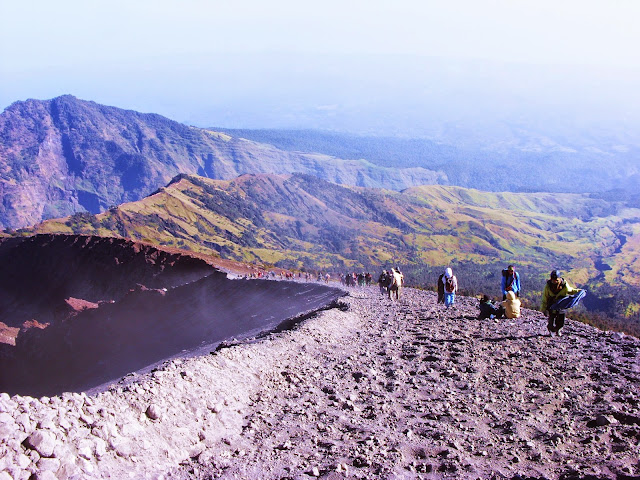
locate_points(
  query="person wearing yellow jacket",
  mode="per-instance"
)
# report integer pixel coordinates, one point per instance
(511, 305)
(557, 297)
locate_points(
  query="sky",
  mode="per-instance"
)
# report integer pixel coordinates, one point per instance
(252, 63)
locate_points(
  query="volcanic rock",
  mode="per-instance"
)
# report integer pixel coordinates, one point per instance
(502, 400)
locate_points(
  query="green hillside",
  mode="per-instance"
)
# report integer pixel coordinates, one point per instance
(301, 222)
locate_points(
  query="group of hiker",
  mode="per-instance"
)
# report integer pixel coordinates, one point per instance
(557, 297)
(391, 282)
(510, 306)
(353, 279)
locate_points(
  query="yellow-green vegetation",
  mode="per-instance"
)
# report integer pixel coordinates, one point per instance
(303, 220)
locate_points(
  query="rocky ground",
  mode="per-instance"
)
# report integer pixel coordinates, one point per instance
(378, 389)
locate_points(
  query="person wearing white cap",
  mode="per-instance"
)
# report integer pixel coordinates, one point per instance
(450, 283)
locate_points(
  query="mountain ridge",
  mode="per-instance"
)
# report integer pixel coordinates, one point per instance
(65, 155)
(598, 162)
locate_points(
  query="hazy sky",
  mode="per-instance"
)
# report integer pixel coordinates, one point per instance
(164, 56)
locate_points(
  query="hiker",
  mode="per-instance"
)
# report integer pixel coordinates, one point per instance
(450, 283)
(440, 288)
(511, 306)
(488, 309)
(395, 283)
(510, 282)
(557, 297)
(383, 281)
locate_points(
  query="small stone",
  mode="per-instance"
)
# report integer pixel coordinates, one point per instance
(44, 475)
(153, 412)
(100, 448)
(51, 464)
(599, 421)
(22, 461)
(196, 450)
(42, 442)
(123, 448)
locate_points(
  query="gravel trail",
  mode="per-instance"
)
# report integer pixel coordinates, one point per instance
(377, 389)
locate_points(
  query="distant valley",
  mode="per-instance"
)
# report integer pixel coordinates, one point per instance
(521, 160)
(303, 223)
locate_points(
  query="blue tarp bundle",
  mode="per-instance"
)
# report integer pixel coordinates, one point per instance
(568, 301)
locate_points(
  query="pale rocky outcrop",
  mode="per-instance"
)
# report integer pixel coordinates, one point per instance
(379, 389)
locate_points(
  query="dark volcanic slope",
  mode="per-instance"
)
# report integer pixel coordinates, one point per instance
(148, 326)
(40, 273)
(112, 306)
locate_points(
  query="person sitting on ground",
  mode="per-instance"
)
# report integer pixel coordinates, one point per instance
(488, 309)
(511, 306)
(557, 297)
(510, 282)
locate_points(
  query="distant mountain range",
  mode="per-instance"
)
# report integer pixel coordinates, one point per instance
(520, 160)
(65, 155)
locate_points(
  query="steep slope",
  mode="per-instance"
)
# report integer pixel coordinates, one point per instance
(105, 342)
(40, 273)
(66, 155)
(78, 311)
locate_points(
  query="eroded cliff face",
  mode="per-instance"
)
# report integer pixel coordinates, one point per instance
(77, 312)
(41, 273)
(65, 155)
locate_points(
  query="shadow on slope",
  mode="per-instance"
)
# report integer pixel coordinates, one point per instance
(40, 273)
(100, 340)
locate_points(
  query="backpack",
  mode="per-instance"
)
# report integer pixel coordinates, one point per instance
(449, 285)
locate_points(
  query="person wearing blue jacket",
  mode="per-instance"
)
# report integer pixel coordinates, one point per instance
(510, 282)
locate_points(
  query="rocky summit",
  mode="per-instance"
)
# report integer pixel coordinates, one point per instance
(373, 388)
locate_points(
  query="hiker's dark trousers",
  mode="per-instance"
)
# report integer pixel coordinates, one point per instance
(556, 321)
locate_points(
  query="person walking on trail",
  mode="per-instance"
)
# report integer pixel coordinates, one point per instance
(510, 282)
(450, 283)
(557, 297)
(440, 288)
(511, 306)
(383, 281)
(395, 284)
